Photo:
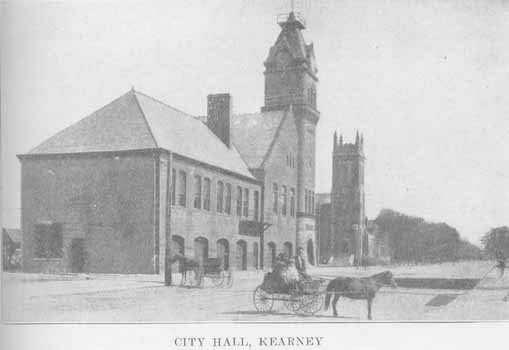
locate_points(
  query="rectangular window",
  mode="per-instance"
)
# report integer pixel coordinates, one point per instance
(48, 241)
(228, 199)
(182, 188)
(292, 202)
(206, 193)
(275, 198)
(312, 202)
(306, 201)
(285, 200)
(256, 204)
(239, 201)
(173, 186)
(219, 198)
(246, 202)
(197, 191)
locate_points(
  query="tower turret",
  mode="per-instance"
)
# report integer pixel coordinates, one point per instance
(290, 80)
(347, 200)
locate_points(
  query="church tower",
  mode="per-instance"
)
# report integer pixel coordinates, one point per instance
(290, 80)
(347, 199)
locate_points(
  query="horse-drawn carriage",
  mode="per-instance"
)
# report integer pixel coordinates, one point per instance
(194, 273)
(305, 297)
(213, 270)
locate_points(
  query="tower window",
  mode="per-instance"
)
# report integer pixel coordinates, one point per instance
(292, 202)
(275, 198)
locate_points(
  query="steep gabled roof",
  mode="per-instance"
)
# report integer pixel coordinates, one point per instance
(253, 134)
(185, 135)
(118, 126)
(136, 121)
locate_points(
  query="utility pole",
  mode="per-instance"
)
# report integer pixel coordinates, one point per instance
(167, 228)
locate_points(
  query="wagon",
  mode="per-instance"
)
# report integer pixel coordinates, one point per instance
(305, 298)
(212, 269)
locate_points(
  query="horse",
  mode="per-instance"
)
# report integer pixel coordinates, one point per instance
(363, 288)
(185, 265)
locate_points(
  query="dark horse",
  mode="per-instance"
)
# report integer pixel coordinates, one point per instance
(363, 288)
(185, 265)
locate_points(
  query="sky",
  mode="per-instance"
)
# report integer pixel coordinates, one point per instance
(426, 82)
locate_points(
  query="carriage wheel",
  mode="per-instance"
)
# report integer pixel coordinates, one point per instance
(262, 300)
(217, 279)
(229, 278)
(310, 304)
(294, 302)
(195, 279)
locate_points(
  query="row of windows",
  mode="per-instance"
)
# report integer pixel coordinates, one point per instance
(291, 162)
(280, 200)
(202, 195)
(309, 202)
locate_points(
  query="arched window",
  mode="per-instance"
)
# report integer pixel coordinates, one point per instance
(223, 253)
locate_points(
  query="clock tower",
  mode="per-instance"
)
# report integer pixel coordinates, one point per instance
(291, 80)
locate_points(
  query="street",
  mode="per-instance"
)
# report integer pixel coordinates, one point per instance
(98, 298)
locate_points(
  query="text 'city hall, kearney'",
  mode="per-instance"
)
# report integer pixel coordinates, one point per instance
(103, 194)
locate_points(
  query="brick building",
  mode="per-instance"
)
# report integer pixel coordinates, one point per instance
(102, 195)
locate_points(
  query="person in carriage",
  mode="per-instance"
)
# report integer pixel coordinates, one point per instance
(287, 274)
(300, 264)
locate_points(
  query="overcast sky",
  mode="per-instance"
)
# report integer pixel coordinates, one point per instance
(427, 83)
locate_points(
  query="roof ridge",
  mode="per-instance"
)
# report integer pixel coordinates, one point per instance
(76, 122)
(163, 103)
(193, 118)
(133, 92)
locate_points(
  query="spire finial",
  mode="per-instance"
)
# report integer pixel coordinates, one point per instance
(357, 137)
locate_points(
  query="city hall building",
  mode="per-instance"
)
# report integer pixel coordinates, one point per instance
(104, 194)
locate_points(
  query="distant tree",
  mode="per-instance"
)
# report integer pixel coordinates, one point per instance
(412, 239)
(496, 242)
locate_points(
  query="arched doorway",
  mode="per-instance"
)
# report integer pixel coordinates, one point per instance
(177, 247)
(256, 254)
(311, 252)
(271, 255)
(288, 249)
(223, 253)
(241, 255)
(201, 249)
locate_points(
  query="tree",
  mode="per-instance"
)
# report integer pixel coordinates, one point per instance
(412, 239)
(496, 242)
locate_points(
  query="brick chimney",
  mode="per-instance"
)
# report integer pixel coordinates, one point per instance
(219, 114)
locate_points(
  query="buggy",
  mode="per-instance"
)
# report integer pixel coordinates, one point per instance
(305, 297)
(213, 269)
